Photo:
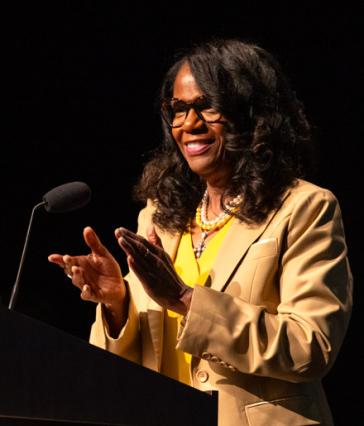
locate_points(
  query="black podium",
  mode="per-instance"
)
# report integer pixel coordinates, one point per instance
(48, 377)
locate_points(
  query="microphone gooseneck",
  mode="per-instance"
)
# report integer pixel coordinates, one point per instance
(64, 198)
(14, 293)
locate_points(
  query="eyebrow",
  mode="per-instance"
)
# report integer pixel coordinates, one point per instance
(198, 98)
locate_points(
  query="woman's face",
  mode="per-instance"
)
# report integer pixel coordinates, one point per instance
(201, 144)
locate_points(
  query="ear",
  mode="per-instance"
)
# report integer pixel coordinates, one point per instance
(153, 237)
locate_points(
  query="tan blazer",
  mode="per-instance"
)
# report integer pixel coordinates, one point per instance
(270, 320)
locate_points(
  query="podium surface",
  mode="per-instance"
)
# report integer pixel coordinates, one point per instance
(48, 377)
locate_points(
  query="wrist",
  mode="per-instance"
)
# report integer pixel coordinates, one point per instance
(185, 300)
(116, 314)
(117, 300)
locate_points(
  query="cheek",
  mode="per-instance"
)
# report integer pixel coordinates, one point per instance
(176, 134)
(219, 130)
(220, 142)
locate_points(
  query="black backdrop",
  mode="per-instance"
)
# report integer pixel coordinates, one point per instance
(81, 79)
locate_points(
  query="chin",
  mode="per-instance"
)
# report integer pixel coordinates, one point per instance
(202, 166)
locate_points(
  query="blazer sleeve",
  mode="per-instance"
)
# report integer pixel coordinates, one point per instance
(128, 343)
(300, 341)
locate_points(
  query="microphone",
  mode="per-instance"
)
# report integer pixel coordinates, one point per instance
(64, 198)
(67, 197)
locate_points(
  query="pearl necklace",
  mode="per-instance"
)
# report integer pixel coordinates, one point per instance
(208, 226)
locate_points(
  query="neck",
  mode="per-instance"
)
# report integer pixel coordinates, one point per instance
(215, 192)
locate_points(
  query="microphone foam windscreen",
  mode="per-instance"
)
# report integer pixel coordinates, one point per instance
(67, 197)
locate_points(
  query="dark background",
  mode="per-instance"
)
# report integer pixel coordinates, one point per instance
(81, 79)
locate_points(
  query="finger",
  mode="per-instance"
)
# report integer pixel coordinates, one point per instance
(87, 294)
(139, 250)
(126, 232)
(154, 250)
(140, 262)
(145, 252)
(140, 272)
(76, 275)
(93, 242)
(67, 263)
(140, 242)
(117, 233)
(132, 248)
(149, 282)
(57, 259)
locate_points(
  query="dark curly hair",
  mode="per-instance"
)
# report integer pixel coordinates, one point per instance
(267, 137)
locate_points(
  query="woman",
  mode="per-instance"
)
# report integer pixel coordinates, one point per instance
(239, 279)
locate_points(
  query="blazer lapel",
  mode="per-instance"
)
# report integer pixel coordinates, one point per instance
(170, 242)
(232, 251)
(237, 241)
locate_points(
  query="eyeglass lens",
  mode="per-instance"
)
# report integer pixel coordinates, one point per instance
(178, 111)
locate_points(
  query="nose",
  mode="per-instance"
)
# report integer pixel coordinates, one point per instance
(192, 121)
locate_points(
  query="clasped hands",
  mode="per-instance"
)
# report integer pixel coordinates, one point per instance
(100, 280)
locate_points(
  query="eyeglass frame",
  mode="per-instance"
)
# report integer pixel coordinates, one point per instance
(191, 105)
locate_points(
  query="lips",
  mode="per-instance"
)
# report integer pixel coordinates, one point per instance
(197, 147)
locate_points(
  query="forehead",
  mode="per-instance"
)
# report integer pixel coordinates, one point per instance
(185, 86)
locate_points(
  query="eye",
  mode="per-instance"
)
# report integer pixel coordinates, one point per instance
(208, 110)
(203, 105)
(178, 106)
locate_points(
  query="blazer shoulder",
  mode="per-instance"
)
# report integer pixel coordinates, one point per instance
(303, 189)
(305, 199)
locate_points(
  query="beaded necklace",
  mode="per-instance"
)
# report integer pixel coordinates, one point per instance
(208, 226)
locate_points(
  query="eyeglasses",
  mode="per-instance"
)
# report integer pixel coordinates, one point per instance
(175, 111)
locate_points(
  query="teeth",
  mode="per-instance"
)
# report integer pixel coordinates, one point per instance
(195, 144)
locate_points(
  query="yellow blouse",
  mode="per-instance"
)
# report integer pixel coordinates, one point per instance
(175, 363)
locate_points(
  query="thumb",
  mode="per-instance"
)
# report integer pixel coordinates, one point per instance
(93, 242)
(153, 237)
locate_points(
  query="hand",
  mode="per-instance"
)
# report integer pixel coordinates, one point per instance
(155, 270)
(97, 275)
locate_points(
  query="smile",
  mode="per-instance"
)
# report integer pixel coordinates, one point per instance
(197, 147)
